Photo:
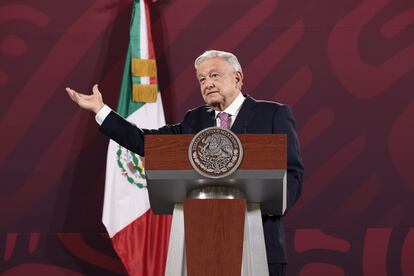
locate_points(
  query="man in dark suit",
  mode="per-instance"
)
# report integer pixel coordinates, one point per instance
(220, 77)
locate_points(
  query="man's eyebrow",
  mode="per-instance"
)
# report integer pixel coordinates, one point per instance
(209, 72)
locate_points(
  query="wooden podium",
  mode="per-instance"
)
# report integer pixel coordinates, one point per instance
(217, 227)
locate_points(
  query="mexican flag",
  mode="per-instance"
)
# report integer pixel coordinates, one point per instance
(139, 237)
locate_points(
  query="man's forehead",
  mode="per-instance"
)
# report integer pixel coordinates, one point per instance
(213, 64)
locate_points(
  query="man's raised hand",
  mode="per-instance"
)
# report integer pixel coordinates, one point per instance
(92, 102)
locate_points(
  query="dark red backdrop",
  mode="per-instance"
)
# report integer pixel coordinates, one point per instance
(345, 67)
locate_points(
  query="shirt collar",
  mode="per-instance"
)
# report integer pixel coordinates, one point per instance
(234, 107)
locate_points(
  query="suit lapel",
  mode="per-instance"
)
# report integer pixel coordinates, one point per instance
(245, 115)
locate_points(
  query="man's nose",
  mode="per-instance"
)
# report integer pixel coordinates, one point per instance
(209, 83)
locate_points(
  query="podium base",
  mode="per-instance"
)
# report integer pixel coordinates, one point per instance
(254, 260)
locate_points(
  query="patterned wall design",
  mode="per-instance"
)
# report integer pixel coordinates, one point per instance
(345, 67)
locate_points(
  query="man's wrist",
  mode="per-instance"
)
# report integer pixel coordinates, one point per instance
(96, 110)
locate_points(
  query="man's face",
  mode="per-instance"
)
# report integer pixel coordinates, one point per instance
(219, 82)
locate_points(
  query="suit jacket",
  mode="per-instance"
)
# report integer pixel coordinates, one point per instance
(258, 117)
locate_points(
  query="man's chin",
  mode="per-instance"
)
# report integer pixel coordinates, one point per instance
(213, 102)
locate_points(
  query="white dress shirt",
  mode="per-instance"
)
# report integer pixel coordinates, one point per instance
(233, 109)
(102, 114)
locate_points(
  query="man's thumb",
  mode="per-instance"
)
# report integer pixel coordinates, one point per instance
(95, 89)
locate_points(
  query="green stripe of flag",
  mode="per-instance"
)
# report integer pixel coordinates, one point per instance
(135, 30)
(125, 105)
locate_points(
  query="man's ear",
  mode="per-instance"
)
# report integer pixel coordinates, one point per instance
(239, 79)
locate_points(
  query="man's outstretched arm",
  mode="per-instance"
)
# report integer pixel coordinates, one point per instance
(111, 124)
(115, 126)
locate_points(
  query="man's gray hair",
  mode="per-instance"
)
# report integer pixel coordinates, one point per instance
(229, 57)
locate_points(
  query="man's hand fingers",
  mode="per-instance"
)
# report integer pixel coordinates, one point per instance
(75, 96)
(71, 94)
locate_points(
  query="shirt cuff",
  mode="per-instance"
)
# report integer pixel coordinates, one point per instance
(102, 114)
